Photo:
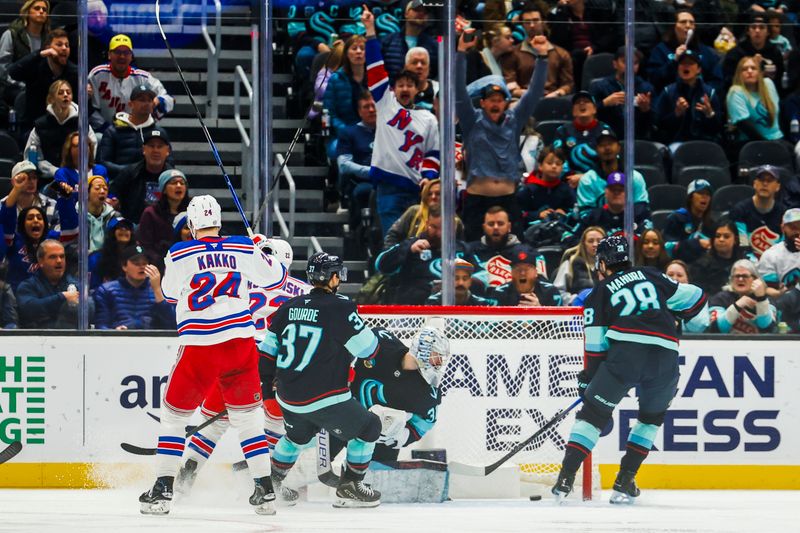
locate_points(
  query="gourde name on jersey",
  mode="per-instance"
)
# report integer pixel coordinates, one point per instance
(311, 339)
(208, 281)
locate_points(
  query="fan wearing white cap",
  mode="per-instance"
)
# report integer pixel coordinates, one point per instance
(208, 279)
(780, 264)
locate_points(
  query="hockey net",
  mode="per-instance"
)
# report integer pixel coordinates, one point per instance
(510, 371)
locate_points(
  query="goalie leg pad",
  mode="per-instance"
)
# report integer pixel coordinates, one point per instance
(410, 482)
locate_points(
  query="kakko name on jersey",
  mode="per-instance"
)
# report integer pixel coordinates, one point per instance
(312, 339)
(627, 306)
(382, 381)
(205, 279)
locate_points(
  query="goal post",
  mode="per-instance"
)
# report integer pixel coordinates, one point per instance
(511, 369)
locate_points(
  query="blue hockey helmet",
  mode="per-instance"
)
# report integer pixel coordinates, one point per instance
(321, 266)
(612, 251)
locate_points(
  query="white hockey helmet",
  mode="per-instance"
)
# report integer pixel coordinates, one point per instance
(203, 212)
(431, 349)
(280, 249)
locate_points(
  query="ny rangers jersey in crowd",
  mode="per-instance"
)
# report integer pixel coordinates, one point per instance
(264, 302)
(406, 146)
(312, 339)
(640, 305)
(208, 278)
(383, 381)
(112, 94)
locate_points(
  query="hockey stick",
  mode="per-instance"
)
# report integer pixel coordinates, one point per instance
(213, 146)
(315, 106)
(470, 470)
(324, 460)
(11, 450)
(190, 430)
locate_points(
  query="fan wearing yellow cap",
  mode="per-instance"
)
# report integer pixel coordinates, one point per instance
(111, 84)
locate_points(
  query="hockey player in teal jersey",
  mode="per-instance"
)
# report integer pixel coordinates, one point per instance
(312, 339)
(631, 339)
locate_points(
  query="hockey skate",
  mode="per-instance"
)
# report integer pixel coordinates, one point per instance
(157, 500)
(351, 493)
(625, 489)
(186, 477)
(563, 485)
(263, 498)
(286, 496)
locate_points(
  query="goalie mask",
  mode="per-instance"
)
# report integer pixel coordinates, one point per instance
(431, 349)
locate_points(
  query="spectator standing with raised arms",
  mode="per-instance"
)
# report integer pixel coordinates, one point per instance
(406, 150)
(491, 137)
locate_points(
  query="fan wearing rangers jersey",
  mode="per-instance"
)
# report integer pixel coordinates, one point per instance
(631, 339)
(207, 278)
(312, 339)
(406, 150)
(110, 85)
(263, 303)
(404, 380)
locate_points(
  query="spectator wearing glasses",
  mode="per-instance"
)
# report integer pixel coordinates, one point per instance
(742, 306)
(111, 85)
(560, 81)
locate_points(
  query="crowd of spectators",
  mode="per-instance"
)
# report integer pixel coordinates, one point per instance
(136, 198)
(530, 214)
(539, 93)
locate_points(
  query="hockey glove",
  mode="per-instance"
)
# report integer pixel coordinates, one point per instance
(262, 243)
(583, 382)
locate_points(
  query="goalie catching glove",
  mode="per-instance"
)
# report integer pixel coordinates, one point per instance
(394, 432)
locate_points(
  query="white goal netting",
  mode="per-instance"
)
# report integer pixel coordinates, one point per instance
(510, 371)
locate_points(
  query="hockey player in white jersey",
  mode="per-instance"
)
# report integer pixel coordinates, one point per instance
(263, 303)
(406, 148)
(207, 278)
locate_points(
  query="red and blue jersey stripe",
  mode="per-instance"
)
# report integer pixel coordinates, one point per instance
(211, 326)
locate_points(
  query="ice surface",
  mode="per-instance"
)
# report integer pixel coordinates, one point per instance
(223, 511)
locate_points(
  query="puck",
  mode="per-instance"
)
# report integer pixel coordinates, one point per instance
(535, 498)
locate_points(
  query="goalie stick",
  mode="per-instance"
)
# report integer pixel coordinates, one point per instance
(11, 450)
(190, 430)
(470, 470)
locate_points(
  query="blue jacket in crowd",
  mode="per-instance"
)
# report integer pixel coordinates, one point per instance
(42, 306)
(121, 304)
